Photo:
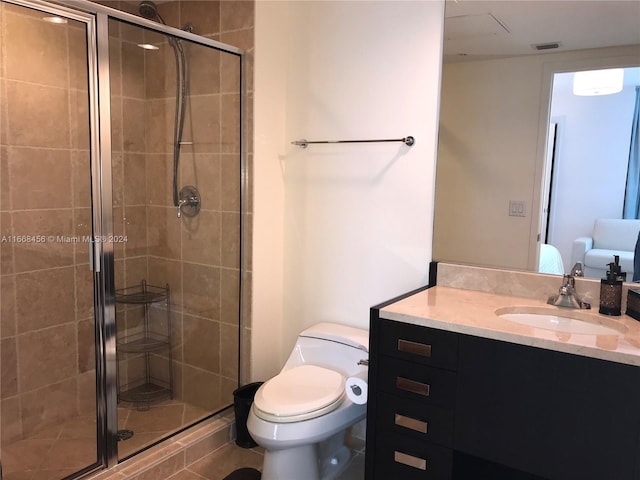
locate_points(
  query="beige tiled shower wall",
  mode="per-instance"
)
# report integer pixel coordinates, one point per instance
(46, 293)
(198, 257)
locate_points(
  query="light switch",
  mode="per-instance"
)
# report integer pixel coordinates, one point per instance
(516, 208)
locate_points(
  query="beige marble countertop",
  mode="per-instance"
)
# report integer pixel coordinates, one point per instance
(473, 312)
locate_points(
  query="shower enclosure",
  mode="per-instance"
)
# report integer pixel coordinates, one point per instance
(120, 225)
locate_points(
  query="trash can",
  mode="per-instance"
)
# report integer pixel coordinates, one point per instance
(242, 400)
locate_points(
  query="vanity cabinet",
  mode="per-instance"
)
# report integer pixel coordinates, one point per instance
(444, 405)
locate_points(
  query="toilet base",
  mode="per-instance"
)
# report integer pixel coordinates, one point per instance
(291, 463)
(324, 461)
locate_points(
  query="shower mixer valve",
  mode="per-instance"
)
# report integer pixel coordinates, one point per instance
(189, 201)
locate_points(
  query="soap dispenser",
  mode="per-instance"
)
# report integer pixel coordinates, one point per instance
(611, 289)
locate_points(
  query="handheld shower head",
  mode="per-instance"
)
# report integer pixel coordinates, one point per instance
(149, 10)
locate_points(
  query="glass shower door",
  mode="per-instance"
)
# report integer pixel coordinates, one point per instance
(175, 123)
(47, 328)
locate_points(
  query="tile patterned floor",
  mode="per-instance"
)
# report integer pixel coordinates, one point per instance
(57, 452)
(225, 460)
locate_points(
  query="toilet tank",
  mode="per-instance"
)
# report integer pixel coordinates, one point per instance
(330, 345)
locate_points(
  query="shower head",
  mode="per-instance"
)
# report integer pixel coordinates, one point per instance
(149, 10)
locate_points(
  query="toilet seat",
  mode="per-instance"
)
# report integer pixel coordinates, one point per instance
(300, 393)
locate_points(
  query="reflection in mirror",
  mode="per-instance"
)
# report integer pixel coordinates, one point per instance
(514, 169)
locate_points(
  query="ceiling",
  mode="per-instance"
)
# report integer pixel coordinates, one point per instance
(476, 29)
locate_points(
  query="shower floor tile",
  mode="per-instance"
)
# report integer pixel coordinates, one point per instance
(56, 452)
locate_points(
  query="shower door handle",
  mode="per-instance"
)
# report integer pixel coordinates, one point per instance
(94, 253)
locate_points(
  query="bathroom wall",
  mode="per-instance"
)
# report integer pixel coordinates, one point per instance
(339, 228)
(46, 293)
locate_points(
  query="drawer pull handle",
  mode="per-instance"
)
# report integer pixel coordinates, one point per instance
(413, 386)
(411, 423)
(407, 346)
(410, 460)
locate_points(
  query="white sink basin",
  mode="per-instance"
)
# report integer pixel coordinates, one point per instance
(562, 320)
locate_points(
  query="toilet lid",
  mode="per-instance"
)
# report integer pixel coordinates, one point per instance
(299, 391)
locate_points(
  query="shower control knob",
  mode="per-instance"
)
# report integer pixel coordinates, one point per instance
(189, 201)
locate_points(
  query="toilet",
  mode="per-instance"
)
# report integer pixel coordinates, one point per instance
(301, 415)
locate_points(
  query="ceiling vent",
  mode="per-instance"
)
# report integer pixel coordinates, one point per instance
(546, 46)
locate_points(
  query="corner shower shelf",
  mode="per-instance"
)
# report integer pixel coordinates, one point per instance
(142, 294)
(146, 388)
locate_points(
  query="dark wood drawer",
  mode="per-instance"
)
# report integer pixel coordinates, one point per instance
(426, 346)
(424, 384)
(421, 422)
(402, 458)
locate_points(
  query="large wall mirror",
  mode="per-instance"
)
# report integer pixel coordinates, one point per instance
(522, 161)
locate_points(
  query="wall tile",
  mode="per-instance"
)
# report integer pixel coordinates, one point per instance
(201, 388)
(51, 225)
(133, 125)
(5, 185)
(204, 123)
(7, 306)
(203, 15)
(86, 345)
(201, 238)
(133, 73)
(204, 69)
(160, 68)
(59, 356)
(115, 60)
(25, 104)
(81, 178)
(203, 171)
(116, 124)
(84, 293)
(53, 305)
(135, 229)
(201, 290)
(8, 362)
(235, 15)
(230, 128)
(162, 271)
(201, 343)
(79, 119)
(229, 68)
(10, 424)
(135, 185)
(48, 406)
(229, 296)
(230, 240)
(6, 247)
(159, 179)
(164, 232)
(77, 45)
(229, 345)
(36, 51)
(4, 124)
(230, 183)
(39, 177)
(159, 120)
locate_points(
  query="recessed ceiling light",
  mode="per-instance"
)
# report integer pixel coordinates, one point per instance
(58, 20)
(148, 46)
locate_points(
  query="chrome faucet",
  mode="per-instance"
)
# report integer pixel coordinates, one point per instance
(567, 296)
